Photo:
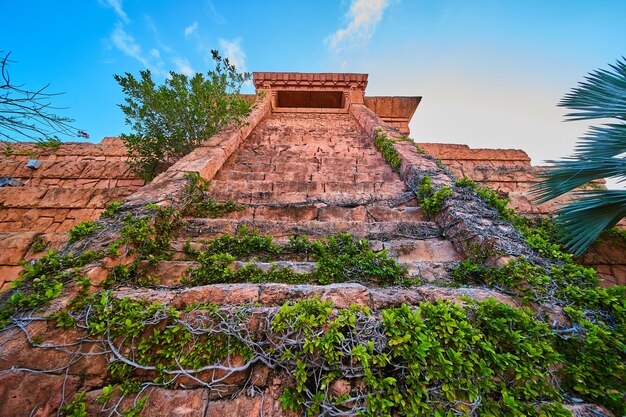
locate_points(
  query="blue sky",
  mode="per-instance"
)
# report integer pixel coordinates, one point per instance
(490, 72)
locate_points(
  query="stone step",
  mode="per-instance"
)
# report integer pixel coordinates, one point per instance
(199, 229)
(428, 250)
(402, 250)
(343, 199)
(172, 273)
(342, 295)
(253, 187)
(407, 212)
(230, 175)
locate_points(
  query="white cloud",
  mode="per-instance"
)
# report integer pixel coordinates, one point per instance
(232, 50)
(191, 29)
(183, 66)
(154, 53)
(364, 16)
(116, 5)
(127, 44)
(155, 31)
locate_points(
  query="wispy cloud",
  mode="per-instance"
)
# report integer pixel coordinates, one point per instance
(155, 32)
(116, 5)
(364, 16)
(127, 44)
(232, 50)
(183, 66)
(191, 29)
(217, 17)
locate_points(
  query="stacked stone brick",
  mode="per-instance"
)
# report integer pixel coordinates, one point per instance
(73, 184)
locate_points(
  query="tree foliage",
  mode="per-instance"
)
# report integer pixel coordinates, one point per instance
(27, 114)
(170, 120)
(599, 154)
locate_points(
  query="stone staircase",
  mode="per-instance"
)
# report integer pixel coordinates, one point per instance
(315, 175)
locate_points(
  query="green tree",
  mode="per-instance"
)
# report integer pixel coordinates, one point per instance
(170, 120)
(599, 154)
(28, 114)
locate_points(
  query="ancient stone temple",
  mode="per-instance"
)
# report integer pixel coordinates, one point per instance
(320, 196)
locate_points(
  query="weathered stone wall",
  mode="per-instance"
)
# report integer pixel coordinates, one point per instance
(73, 184)
(510, 172)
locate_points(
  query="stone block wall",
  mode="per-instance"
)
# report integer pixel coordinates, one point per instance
(73, 184)
(510, 172)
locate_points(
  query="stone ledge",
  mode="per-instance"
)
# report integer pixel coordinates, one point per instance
(342, 295)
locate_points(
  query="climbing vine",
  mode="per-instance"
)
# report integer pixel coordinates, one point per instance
(431, 201)
(338, 258)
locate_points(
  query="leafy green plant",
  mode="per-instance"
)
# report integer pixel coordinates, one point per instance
(339, 258)
(49, 144)
(38, 244)
(489, 196)
(150, 235)
(111, 208)
(437, 359)
(76, 408)
(387, 149)
(41, 281)
(171, 119)
(430, 200)
(84, 229)
(593, 349)
(196, 202)
(597, 155)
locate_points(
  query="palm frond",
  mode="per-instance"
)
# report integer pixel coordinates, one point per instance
(602, 95)
(582, 221)
(599, 154)
(605, 141)
(570, 173)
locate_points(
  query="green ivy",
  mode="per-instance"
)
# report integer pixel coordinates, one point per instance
(489, 196)
(84, 229)
(42, 281)
(387, 149)
(196, 203)
(431, 201)
(38, 244)
(593, 349)
(150, 235)
(158, 336)
(338, 258)
(112, 208)
(76, 408)
(438, 359)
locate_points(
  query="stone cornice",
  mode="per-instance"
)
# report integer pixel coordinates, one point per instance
(309, 81)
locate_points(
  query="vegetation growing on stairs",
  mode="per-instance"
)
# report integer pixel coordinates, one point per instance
(431, 201)
(195, 202)
(386, 148)
(338, 258)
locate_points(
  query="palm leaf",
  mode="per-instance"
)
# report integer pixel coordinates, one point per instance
(564, 176)
(602, 95)
(599, 154)
(584, 219)
(605, 141)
